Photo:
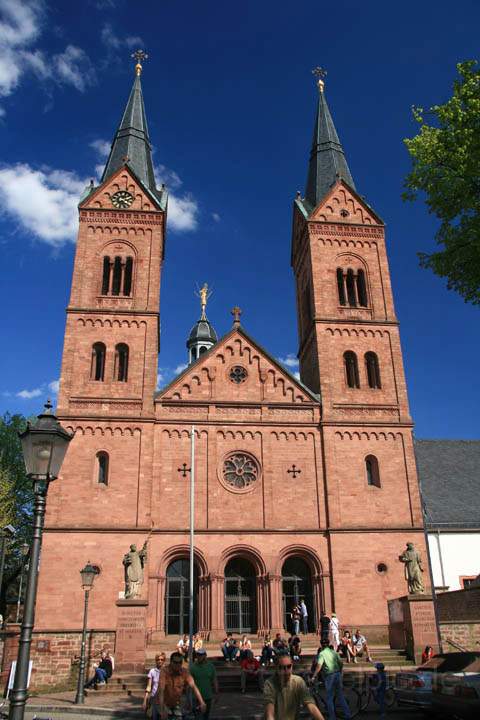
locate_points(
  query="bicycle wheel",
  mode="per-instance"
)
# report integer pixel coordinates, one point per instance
(363, 700)
(352, 698)
(390, 697)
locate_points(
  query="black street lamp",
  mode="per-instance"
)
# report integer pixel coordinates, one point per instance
(44, 446)
(88, 576)
(24, 550)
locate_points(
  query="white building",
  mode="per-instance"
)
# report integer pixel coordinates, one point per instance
(449, 475)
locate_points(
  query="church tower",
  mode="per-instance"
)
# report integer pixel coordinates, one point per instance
(112, 334)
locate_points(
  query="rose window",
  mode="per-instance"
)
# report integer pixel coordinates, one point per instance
(240, 470)
(238, 374)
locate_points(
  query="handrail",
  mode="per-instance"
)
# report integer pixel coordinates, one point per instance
(456, 645)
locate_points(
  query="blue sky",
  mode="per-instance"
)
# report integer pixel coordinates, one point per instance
(230, 102)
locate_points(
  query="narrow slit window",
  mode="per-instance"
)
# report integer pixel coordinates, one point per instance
(127, 280)
(97, 371)
(341, 287)
(106, 275)
(361, 289)
(117, 276)
(352, 299)
(351, 369)
(372, 470)
(102, 468)
(121, 362)
(373, 370)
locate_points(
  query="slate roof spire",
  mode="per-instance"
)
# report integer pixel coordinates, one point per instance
(327, 159)
(131, 144)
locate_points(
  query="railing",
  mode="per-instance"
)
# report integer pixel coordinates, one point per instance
(456, 645)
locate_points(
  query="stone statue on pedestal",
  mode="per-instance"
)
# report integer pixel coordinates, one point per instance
(134, 562)
(413, 570)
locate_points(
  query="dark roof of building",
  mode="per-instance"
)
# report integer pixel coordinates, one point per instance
(327, 159)
(449, 475)
(131, 144)
(202, 330)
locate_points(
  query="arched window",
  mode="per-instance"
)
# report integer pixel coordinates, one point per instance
(117, 276)
(351, 369)
(341, 287)
(361, 289)
(351, 288)
(106, 275)
(97, 370)
(202, 350)
(127, 278)
(102, 468)
(373, 370)
(121, 362)
(373, 472)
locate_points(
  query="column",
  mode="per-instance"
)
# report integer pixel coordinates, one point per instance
(217, 606)
(275, 583)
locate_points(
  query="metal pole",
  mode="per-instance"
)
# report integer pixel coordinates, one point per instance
(192, 509)
(18, 695)
(20, 592)
(80, 696)
(2, 556)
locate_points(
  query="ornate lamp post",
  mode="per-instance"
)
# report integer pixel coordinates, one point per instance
(6, 533)
(88, 576)
(24, 548)
(44, 446)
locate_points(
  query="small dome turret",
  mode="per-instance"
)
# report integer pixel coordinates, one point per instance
(202, 336)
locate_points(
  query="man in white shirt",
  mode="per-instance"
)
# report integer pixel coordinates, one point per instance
(151, 693)
(304, 611)
(335, 631)
(360, 645)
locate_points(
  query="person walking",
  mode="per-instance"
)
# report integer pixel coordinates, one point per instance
(330, 664)
(296, 617)
(285, 693)
(378, 684)
(205, 677)
(304, 611)
(174, 682)
(335, 631)
(324, 626)
(151, 692)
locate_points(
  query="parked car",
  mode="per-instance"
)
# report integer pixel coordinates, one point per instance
(457, 695)
(415, 687)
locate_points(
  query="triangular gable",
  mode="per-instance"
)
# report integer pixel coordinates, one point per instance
(343, 204)
(236, 356)
(124, 179)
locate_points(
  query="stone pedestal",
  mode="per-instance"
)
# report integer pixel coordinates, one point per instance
(131, 636)
(412, 625)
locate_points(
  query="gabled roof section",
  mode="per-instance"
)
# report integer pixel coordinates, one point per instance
(132, 141)
(327, 159)
(342, 204)
(93, 195)
(449, 476)
(237, 348)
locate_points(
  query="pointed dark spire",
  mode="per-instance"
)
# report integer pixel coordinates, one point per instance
(327, 159)
(131, 144)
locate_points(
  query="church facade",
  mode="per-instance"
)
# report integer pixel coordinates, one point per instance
(302, 488)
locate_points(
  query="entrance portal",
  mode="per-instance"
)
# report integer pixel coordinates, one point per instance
(297, 584)
(240, 597)
(177, 597)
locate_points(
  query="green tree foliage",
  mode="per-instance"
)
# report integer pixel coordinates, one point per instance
(16, 501)
(446, 167)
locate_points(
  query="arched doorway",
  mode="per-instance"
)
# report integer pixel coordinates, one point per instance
(297, 584)
(240, 596)
(177, 597)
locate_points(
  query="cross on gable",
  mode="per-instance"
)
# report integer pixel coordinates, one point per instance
(236, 312)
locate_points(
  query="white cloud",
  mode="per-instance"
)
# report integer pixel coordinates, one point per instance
(114, 42)
(167, 176)
(160, 378)
(180, 368)
(21, 25)
(182, 213)
(43, 202)
(290, 360)
(216, 217)
(296, 374)
(54, 386)
(29, 394)
(101, 147)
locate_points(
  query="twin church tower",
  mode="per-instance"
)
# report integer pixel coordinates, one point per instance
(302, 488)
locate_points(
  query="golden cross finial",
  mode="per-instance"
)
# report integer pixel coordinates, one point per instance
(236, 312)
(320, 74)
(139, 56)
(203, 293)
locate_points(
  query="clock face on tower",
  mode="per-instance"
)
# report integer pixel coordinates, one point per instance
(122, 199)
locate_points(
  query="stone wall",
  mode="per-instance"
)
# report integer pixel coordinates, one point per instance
(55, 655)
(459, 615)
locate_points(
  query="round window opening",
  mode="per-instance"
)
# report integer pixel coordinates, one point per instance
(381, 568)
(238, 374)
(240, 471)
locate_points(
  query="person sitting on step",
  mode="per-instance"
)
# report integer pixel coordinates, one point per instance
(250, 668)
(360, 645)
(103, 671)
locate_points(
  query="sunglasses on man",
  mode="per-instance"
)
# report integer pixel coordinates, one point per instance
(285, 667)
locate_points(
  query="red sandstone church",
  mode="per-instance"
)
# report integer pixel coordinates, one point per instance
(303, 488)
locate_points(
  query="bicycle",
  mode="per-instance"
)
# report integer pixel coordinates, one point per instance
(351, 694)
(367, 694)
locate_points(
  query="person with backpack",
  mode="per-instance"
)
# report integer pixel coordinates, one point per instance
(330, 664)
